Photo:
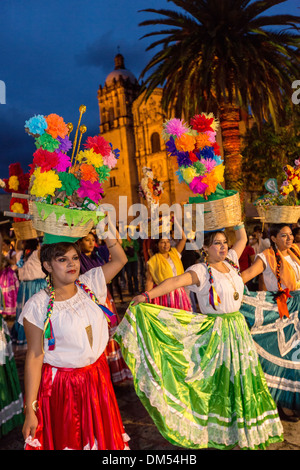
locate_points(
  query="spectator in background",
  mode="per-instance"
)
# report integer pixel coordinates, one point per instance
(258, 243)
(131, 248)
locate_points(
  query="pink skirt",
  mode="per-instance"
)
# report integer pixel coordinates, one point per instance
(9, 284)
(78, 410)
(178, 298)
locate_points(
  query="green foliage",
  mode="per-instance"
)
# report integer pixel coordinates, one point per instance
(267, 150)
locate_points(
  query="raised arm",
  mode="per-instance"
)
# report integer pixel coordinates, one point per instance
(241, 239)
(186, 279)
(254, 270)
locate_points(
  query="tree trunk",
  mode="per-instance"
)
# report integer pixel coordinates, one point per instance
(231, 139)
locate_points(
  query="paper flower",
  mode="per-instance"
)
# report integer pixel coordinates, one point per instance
(69, 183)
(93, 191)
(36, 125)
(47, 142)
(103, 173)
(90, 157)
(196, 152)
(44, 183)
(64, 162)
(110, 160)
(174, 127)
(88, 173)
(17, 207)
(197, 185)
(13, 183)
(64, 144)
(204, 123)
(188, 174)
(185, 143)
(45, 160)
(56, 126)
(98, 144)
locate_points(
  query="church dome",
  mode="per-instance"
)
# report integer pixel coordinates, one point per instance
(119, 71)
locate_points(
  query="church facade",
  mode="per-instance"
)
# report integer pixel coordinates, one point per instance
(135, 127)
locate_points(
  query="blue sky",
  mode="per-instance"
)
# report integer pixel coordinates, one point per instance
(56, 53)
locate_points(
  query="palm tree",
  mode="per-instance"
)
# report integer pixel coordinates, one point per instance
(222, 56)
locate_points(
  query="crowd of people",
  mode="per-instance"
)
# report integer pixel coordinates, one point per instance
(185, 342)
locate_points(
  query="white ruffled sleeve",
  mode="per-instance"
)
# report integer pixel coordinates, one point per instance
(202, 275)
(35, 309)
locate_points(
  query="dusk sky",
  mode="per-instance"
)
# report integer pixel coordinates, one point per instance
(56, 53)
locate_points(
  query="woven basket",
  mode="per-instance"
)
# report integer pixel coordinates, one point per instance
(279, 214)
(220, 213)
(24, 230)
(58, 225)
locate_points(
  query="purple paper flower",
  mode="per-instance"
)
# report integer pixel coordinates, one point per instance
(65, 144)
(183, 159)
(171, 147)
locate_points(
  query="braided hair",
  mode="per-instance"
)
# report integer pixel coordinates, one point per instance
(274, 230)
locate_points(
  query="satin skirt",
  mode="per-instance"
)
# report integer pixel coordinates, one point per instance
(199, 378)
(78, 410)
(277, 343)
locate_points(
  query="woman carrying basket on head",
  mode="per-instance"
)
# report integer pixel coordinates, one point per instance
(199, 376)
(69, 398)
(273, 318)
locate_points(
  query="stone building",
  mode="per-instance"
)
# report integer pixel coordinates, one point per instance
(134, 127)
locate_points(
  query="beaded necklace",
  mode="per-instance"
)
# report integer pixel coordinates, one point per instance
(48, 328)
(214, 299)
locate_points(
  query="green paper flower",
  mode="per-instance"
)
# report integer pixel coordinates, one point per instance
(199, 167)
(103, 172)
(69, 183)
(47, 142)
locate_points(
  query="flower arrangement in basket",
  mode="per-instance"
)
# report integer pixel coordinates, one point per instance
(150, 188)
(66, 190)
(201, 167)
(281, 205)
(17, 185)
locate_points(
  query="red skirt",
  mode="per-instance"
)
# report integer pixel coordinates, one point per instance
(78, 410)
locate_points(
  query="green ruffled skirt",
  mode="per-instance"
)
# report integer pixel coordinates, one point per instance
(199, 378)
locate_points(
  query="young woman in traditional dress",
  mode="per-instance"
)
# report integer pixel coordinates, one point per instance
(275, 327)
(92, 256)
(198, 375)
(69, 397)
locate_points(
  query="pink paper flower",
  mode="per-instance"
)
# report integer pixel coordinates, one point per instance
(110, 160)
(197, 186)
(93, 191)
(209, 163)
(64, 162)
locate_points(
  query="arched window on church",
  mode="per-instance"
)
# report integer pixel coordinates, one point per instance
(155, 142)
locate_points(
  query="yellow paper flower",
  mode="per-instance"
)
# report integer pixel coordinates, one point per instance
(188, 174)
(45, 183)
(213, 178)
(90, 157)
(185, 143)
(13, 183)
(17, 207)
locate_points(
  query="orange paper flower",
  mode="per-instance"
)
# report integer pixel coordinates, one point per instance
(56, 126)
(185, 143)
(88, 173)
(202, 140)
